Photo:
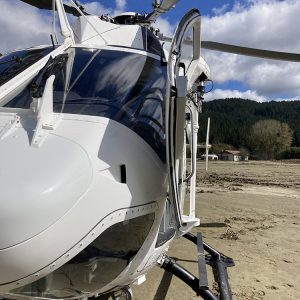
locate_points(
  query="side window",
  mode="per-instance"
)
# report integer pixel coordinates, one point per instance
(187, 48)
(16, 62)
(151, 42)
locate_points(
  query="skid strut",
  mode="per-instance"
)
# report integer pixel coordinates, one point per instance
(218, 261)
(215, 259)
(171, 266)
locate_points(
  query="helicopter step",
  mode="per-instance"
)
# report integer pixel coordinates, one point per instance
(219, 263)
(215, 259)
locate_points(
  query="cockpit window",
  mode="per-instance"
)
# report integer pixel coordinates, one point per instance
(14, 63)
(127, 87)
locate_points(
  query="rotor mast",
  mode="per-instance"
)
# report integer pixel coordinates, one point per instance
(65, 27)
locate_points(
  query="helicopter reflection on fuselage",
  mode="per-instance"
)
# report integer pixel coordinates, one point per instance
(127, 87)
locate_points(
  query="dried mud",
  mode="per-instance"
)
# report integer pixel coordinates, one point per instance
(249, 211)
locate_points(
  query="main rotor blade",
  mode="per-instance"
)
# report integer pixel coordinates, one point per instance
(250, 51)
(161, 8)
(47, 4)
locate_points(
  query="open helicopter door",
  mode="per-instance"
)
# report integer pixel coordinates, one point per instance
(183, 59)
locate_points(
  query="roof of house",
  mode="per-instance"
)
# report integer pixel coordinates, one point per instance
(233, 152)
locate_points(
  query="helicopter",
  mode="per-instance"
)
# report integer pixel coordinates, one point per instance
(94, 174)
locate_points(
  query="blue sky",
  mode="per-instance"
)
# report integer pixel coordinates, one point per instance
(212, 9)
(267, 24)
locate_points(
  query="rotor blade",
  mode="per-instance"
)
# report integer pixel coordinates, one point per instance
(161, 8)
(166, 5)
(47, 4)
(250, 51)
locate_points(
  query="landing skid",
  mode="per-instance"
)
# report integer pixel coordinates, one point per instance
(215, 259)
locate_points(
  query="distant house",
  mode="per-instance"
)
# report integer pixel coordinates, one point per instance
(232, 155)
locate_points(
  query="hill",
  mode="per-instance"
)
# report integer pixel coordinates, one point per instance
(231, 119)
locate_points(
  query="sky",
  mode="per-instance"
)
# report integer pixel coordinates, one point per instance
(267, 24)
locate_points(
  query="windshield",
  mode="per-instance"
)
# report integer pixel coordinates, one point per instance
(14, 63)
(129, 88)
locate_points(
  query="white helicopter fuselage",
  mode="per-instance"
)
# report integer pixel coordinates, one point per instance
(83, 188)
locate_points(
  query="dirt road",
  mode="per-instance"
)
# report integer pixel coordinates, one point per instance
(251, 212)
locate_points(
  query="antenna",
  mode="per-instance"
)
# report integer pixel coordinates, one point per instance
(207, 146)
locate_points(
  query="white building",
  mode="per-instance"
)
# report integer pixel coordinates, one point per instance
(232, 155)
(210, 157)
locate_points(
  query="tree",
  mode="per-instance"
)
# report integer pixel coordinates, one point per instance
(269, 137)
(292, 153)
(231, 119)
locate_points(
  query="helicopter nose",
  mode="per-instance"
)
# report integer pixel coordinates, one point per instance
(38, 185)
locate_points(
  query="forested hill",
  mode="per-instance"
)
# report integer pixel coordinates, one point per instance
(231, 119)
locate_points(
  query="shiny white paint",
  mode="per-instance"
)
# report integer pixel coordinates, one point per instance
(66, 208)
(64, 193)
(90, 30)
(38, 186)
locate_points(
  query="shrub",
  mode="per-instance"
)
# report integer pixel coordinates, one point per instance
(292, 153)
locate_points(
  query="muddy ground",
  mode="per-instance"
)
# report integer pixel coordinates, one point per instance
(251, 212)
